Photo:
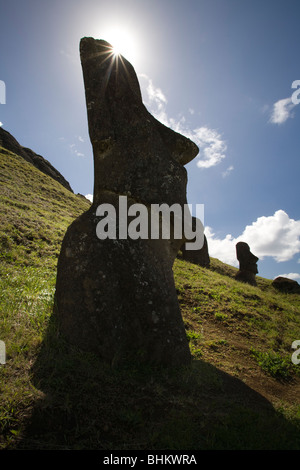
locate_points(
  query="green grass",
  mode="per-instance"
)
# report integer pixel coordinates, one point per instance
(241, 391)
(260, 314)
(274, 364)
(35, 211)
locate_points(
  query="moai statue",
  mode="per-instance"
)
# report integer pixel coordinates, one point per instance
(116, 296)
(201, 256)
(248, 264)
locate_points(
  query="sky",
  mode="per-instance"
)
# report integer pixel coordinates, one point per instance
(225, 73)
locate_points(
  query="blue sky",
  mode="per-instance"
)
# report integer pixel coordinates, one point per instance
(219, 71)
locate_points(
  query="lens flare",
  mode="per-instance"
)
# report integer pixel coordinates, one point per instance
(122, 43)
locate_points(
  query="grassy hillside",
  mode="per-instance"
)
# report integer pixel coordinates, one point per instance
(241, 392)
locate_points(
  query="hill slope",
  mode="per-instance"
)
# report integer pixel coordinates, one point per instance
(241, 392)
(8, 142)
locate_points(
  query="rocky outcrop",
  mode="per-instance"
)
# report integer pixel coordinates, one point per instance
(284, 284)
(248, 264)
(116, 296)
(8, 142)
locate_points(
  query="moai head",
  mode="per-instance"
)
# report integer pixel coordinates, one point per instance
(133, 152)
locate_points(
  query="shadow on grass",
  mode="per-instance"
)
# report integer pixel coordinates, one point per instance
(87, 405)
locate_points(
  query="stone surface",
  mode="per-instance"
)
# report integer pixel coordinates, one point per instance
(8, 142)
(117, 297)
(200, 257)
(248, 264)
(286, 285)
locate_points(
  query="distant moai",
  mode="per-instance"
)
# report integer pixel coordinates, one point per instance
(248, 264)
(117, 297)
(201, 256)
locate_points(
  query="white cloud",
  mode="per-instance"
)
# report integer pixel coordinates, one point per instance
(75, 151)
(227, 171)
(89, 197)
(81, 139)
(293, 276)
(156, 94)
(276, 236)
(212, 147)
(222, 249)
(282, 110)
(1, 124)
(155, 100)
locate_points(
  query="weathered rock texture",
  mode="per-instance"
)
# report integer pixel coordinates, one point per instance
(8, 142)
(200, 257)
(117, 297)
(248, 264)
(284, 284)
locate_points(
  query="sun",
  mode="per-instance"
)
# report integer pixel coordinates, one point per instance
(122, 42)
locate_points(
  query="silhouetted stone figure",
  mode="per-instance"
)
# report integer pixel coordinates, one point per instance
(201, 256)
(117, 297)
(248, 264)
